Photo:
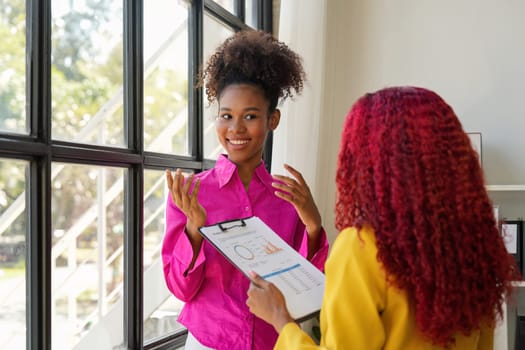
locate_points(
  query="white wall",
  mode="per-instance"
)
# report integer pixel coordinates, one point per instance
(296, 140)
(471, 52)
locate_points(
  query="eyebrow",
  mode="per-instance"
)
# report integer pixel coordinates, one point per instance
(249, 109)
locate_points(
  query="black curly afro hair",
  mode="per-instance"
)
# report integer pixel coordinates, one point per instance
(257, 58)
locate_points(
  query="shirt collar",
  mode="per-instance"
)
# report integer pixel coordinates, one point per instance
(264, 176)
(227, 168)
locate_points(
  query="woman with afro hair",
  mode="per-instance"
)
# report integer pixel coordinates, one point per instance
(247, 75)
(419, 262)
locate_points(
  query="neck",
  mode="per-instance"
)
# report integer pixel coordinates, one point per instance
(246, 173)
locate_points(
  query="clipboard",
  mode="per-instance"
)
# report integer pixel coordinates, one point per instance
(251, 245)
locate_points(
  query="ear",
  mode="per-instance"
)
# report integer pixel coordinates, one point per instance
(274, 118)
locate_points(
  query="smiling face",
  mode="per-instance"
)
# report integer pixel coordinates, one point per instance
(243, 123)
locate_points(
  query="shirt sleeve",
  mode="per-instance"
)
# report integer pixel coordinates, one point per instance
(177, 254)
(354, 294)
(293, 337)
(486, 339)
(320, 256)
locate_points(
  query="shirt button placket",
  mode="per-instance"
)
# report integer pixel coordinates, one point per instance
(247, 207)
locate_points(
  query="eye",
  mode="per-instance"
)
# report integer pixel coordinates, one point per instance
(224, 116)
(250, 116)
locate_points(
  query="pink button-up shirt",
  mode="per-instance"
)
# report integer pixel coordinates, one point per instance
(214, 291)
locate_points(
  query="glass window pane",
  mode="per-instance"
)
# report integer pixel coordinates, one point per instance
(166, 76)
(216, 33)
(13, 228)
(86, 76)
(13, 66)
(87, 256)
(161, 308)
(250, 14)
(227, 4)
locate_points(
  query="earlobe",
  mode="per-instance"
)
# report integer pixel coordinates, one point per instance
(275, 117)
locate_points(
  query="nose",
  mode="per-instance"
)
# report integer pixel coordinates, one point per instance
(237, 125)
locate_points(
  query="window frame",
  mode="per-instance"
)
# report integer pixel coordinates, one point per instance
(40, 150)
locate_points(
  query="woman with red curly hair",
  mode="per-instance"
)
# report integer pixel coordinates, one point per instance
(420, 262)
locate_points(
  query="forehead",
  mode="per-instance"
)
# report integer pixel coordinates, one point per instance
(242, 96)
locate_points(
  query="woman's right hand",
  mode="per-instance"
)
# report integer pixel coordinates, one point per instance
(267, 302)
(188, 203)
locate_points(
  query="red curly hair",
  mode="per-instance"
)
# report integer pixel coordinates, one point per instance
(407, 168)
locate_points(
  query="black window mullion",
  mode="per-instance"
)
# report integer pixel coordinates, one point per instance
(265, 15)
(195, 96)
(38, 253)
(38, 194)
(223, 15)
(240, 9)
(133, 258)
(134, 74)
(265, 22)
(133, 184)
(38, 53)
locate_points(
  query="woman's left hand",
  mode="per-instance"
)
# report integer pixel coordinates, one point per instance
(267, 302)
(296, 191)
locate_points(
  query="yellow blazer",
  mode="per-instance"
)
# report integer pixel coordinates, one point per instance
(361, 311)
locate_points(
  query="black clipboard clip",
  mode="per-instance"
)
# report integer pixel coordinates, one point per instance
(225, 226)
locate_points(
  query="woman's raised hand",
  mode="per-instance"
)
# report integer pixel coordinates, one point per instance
(185, 197)
(296, 191)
